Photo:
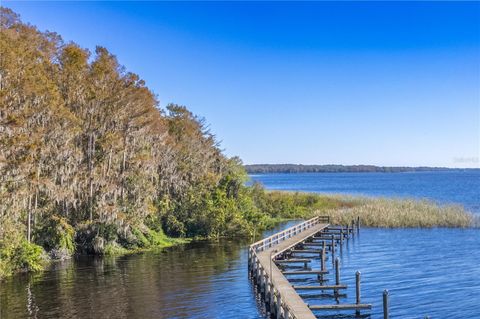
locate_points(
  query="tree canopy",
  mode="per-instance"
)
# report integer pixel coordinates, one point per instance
(88, 159)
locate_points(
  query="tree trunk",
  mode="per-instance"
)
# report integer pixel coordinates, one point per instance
(124, 160)
(90, 173)
(29, 218)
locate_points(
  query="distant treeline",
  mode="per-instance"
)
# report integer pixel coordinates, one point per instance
(299, 168)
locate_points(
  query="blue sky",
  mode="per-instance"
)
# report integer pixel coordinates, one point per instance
(311, 82)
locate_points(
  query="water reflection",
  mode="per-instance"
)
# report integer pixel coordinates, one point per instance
(198, 280)
(428, 272)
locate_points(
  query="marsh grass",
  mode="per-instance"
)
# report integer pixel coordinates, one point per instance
(396, 213)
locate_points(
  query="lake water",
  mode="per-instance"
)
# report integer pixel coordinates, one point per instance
(459, 187)
(433, 272)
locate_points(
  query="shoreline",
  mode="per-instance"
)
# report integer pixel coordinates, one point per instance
(283, 206)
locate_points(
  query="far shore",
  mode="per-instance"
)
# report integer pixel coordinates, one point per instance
(337, 168)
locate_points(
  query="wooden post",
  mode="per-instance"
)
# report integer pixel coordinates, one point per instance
(358, 224)
(279, 307)
(333, 244)
(357, 290)
(322, 259)
(337, 271)
(341, 237)
(267, 294)
(271, 299)
(262, 284)
(253, 268)
(385, 304)
(29, 219)
(324, 245)
(353, 226)
(337, 276)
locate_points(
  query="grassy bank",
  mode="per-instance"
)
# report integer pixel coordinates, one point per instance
(58, 241)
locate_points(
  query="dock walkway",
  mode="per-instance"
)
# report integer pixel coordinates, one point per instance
(296, 304)
(265, 257)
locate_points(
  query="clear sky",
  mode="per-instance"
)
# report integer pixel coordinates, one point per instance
(312, 82)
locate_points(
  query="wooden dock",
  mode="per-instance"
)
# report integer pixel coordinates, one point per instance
(282, 250)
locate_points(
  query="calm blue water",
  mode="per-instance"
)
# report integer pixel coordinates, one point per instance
(459, 187)
(431, 272)
(434, 272)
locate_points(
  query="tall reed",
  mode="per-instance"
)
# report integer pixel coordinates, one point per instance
(384, 212)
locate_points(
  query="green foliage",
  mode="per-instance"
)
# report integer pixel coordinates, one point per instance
(293, 204)
(28, 256)
(173, 226)
(104, 239)
(56, 233)
(21, 256)
(115, 249)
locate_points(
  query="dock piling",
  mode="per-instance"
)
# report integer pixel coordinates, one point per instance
(357, 290)
(385, 304)
(337, 276)
(337, 271)
(333, 245)
(322, 259)
(279, 307)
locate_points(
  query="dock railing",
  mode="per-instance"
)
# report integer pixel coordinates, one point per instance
(269, 242)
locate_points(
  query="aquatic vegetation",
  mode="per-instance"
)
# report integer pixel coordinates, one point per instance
(385, 212)
(374, 212)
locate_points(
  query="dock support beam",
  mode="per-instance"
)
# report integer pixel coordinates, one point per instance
(279, 307)
(337, 271)
(337, 275)
(322, 260)
(357, 290)
(385, 304)
(333, 245)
